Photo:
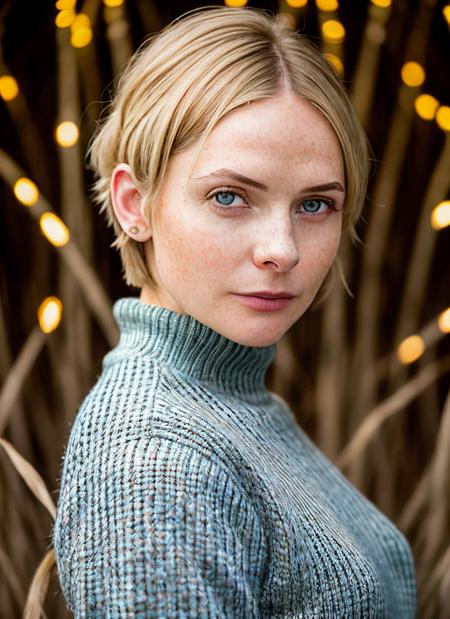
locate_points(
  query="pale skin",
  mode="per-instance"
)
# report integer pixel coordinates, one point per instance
(283, 238)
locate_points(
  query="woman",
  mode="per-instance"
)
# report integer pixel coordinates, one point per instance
(229, 165)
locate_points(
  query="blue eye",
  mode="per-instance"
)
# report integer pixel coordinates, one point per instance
(225, 197)
(314, 205)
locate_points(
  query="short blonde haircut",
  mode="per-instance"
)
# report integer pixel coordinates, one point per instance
(185, 78)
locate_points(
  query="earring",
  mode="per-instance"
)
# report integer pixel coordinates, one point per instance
(133, 230)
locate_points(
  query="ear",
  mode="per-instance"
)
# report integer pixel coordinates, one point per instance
(127, 204)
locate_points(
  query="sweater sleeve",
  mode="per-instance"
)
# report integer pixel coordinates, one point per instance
(167, 532)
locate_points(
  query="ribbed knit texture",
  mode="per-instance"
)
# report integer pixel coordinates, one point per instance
(189, 490)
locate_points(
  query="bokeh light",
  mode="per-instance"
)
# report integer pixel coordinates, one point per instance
(26, 191)
(296, 4)
(333, 30)
(440, 216)
(81, 37)
(81, 31)
(81, 21)
(384, 4)
(63, 5)
(112, 3)
(327, 5)
(444, 321)
(235, 3)
(9, 88)
(49, 314)
(67, 133)
(446, 13)
(426, 106)
(54, 229)
(411, 349)
(65, 18)
(443, 117)
(413, 74)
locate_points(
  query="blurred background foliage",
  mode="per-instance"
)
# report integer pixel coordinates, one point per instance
(367, 376)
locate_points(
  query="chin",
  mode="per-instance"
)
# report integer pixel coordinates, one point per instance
(257, 341)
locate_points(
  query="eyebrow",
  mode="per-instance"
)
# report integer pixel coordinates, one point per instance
(250, 181)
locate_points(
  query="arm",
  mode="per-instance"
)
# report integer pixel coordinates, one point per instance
(171, 534)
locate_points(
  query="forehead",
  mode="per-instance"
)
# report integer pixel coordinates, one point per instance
(285, 132)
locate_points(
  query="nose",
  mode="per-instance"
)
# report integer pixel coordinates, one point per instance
(277, 248)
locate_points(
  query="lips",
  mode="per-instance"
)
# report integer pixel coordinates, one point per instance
(269, 295)
(265, 301)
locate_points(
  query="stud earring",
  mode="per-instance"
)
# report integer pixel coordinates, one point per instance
(133, 229)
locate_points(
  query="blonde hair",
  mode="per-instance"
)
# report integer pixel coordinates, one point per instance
(185, 78)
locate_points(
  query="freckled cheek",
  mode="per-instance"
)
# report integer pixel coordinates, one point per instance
(200, 251)
(318, 253)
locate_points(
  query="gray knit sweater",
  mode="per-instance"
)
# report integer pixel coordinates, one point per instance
(189, 490)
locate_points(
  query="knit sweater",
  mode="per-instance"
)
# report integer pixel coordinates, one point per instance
(189, 490)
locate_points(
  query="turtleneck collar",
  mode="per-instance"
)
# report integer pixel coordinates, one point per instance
(190, 348)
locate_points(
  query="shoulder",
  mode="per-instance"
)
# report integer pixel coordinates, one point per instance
(118, 403)
(190, 461)
(153, 477)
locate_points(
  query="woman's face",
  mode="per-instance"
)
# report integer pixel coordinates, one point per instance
(260, 213)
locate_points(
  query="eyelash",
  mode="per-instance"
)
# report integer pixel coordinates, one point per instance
(226, 209)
